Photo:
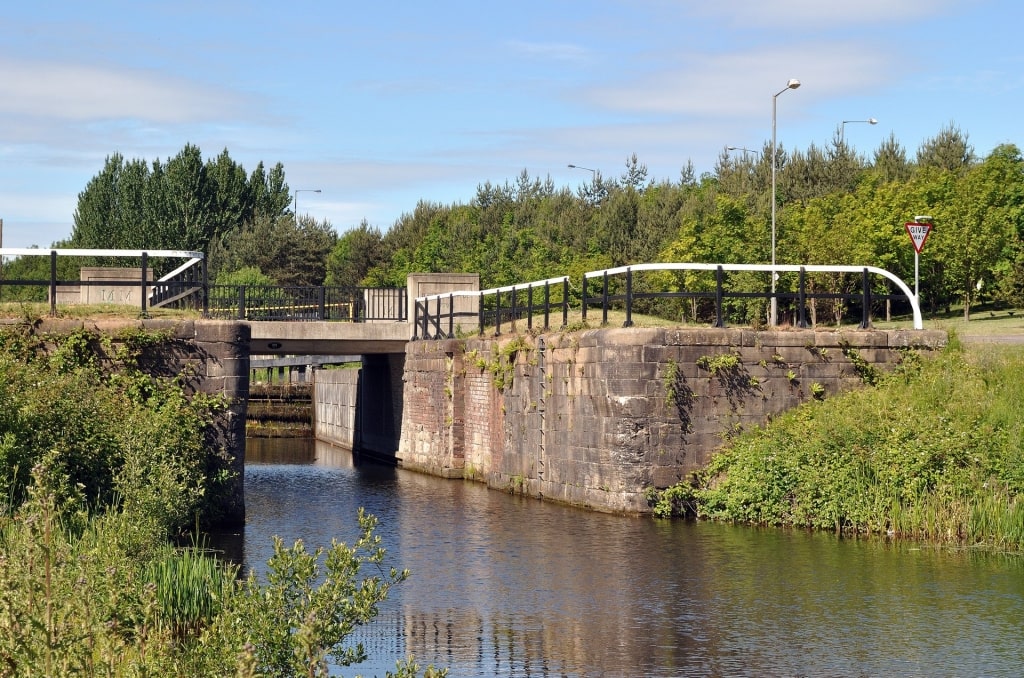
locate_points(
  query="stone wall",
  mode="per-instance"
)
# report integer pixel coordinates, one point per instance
(217, 354)
(594, 418)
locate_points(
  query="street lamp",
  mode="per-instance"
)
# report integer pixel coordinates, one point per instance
(745, 150)
(792, 84)
(593, 173)
(295, 200)
(842, 127)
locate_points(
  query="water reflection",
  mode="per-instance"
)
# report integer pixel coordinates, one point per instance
(508, 586)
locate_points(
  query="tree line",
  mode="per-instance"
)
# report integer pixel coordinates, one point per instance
(833, 206)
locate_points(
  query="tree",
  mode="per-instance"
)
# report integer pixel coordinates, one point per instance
(190, 219)
(891, 160)
(355, 253)
(94, 215)
(948, 150)
(292, 254)
(232, 198)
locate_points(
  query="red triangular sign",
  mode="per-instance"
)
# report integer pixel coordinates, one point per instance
(918, 233)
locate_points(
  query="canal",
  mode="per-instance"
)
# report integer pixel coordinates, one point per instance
(507, 586)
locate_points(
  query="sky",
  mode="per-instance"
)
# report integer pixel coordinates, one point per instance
(381, 105)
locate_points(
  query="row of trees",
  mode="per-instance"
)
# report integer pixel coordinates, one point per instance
(834, 206)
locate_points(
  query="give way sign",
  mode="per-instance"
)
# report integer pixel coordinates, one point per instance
(918, 233)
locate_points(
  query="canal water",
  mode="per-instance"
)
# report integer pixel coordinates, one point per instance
(508, 586)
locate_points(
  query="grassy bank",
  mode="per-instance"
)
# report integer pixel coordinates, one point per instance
(935, 452)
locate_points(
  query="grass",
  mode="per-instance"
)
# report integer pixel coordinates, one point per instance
(32, 310)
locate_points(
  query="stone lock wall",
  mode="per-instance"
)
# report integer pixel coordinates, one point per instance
(594, 418)
(217, 354)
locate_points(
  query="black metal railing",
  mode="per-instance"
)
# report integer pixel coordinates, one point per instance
(187, 288)
(443, 316)
(303, 304)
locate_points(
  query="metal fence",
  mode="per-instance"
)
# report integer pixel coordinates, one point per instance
(625, 295)
(441, 316)
(299, 304)
(187, 288)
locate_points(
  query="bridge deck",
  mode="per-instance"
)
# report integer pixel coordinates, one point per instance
(328, 338)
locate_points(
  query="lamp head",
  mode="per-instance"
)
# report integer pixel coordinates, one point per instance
(872, 121)
(923, 219)
(793, 83)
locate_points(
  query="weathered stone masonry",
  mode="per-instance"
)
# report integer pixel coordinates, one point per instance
(216, 353)
(594, 418)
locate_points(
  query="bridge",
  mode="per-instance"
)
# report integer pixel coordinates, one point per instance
(590, 417)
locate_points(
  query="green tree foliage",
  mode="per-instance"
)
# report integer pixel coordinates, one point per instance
(184, 203)
(292, 254)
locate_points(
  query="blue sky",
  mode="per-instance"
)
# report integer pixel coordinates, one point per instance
(382, 104)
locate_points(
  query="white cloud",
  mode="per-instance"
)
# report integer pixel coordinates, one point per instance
(76, 92)
(737, 84)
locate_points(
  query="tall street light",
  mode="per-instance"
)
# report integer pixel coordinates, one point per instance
(842, 127)
(792, 84)
(593, 173)
(745, 150)
(295, 200)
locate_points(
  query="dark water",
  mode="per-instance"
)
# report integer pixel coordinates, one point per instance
(506, 586)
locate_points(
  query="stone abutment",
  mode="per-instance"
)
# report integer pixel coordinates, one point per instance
(595, 418)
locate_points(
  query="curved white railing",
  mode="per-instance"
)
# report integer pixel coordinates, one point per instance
(768, 268)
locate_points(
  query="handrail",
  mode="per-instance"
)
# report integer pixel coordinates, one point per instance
(769, 268)
(73, 252)
(422, 314)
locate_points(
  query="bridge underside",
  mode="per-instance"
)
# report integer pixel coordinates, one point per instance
(328, 338)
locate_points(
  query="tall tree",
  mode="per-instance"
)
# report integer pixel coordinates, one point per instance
(97, 204)
(949, 150)
(191, 219)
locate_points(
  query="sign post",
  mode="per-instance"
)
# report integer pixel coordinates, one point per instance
(918, 231)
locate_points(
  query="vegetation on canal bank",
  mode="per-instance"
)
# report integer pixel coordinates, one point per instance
(933, 452)
(99, 468)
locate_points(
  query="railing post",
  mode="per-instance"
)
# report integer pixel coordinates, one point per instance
(206, 290)
(451, 315)
(145, 265)
(514, 310)
(565, 301)
(629, 298)
(865, 316)
(604, 301)
(241, 302)
(719, 316)
(322, 302)
(480, 312)
(802, 299)
(583, 308)
(53, 283)
(497, 313)
(547, 305)
(529, 306)
(437, 318)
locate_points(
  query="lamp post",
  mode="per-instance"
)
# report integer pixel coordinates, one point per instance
(295, 200)
(842, 127)
(593, 173)
(792, 84)
(745, 150)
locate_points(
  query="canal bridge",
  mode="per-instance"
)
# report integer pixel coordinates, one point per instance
(590, 417)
